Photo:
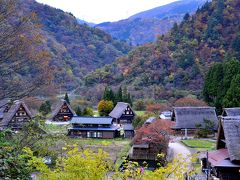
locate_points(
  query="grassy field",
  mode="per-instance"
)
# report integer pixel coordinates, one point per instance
(116, 148)
(140, 113)
(199, 144)
(56, 129)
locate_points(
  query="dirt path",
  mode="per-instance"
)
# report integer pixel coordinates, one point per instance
(176, 149)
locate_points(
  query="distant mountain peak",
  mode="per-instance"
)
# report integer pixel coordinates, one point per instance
(146, 26)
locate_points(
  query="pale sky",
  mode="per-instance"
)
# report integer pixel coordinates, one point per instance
(98, 11)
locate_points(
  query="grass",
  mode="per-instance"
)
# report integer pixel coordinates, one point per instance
(199, 144)
(140, 113)
(53, 128)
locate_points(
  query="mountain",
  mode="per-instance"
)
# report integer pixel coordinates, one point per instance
(146, 26)
(75, 49)
(176, 64)
(80, 21)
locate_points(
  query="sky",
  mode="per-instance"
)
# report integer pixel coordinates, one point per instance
(98, 11)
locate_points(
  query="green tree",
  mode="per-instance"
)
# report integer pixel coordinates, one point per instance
(79, 111)
(232, 98)
(108, 94)
(119, 95)
(66, 98)
(105, 107)
(45, 108)
(212, 90)
(88, 112)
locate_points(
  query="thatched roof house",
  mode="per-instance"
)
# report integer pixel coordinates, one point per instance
(231, 111)
(189, 117)
(15, 115)
(229, 136)
(63, 112)
(225, 161)
(120, 109)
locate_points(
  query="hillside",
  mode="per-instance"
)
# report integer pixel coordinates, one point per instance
(75, 49)
(146, 26)
(178, 61)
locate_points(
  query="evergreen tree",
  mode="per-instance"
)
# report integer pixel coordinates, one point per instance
(129, 99)
(66, 98)
(45, 108)
(232, 98)
(79, 111)
(119, 97)
(108, 94)
(125, 94)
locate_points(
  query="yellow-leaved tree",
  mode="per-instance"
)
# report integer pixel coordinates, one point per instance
(76, 165)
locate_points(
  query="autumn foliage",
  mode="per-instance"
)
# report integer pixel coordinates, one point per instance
(105, 107)
(155, 134)
(157, 108)
(182, 102)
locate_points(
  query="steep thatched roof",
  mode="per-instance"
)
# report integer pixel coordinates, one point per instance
(231, 129)
(189, 117)
(59, 106)
(119, 110)
(7, 117)
(231, 111)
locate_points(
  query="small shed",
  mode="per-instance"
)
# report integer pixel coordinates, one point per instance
(128, 130)
(150, 120)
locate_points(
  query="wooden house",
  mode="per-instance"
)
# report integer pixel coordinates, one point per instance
(225, 161)
(14, 115)
(231, 111)
(63, 112)
(93, 127)
(123, 114)
(187, 118)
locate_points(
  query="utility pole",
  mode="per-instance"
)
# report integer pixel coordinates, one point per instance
(207, 168)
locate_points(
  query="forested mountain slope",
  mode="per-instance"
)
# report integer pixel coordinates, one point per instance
(146, 26)
(75, 49)
(180, 59)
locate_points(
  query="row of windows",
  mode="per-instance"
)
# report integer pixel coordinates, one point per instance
(21, 114)
(94, 134)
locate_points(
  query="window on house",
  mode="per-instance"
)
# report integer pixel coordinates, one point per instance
(99, 134)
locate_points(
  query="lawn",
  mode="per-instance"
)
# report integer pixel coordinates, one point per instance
(199, 144)
(140, 113)
(56, 129)
(116, 148)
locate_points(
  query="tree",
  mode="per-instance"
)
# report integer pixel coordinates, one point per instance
(23, 59)
(66, 98)
(84, 164)
(105, 107)
(45, 108)
(139, 105)
(108, 94)
(78, 111)
(119, 96)
(232, 97)
(187, 101)
(157, 108)
(88, 112)
(17, 150)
